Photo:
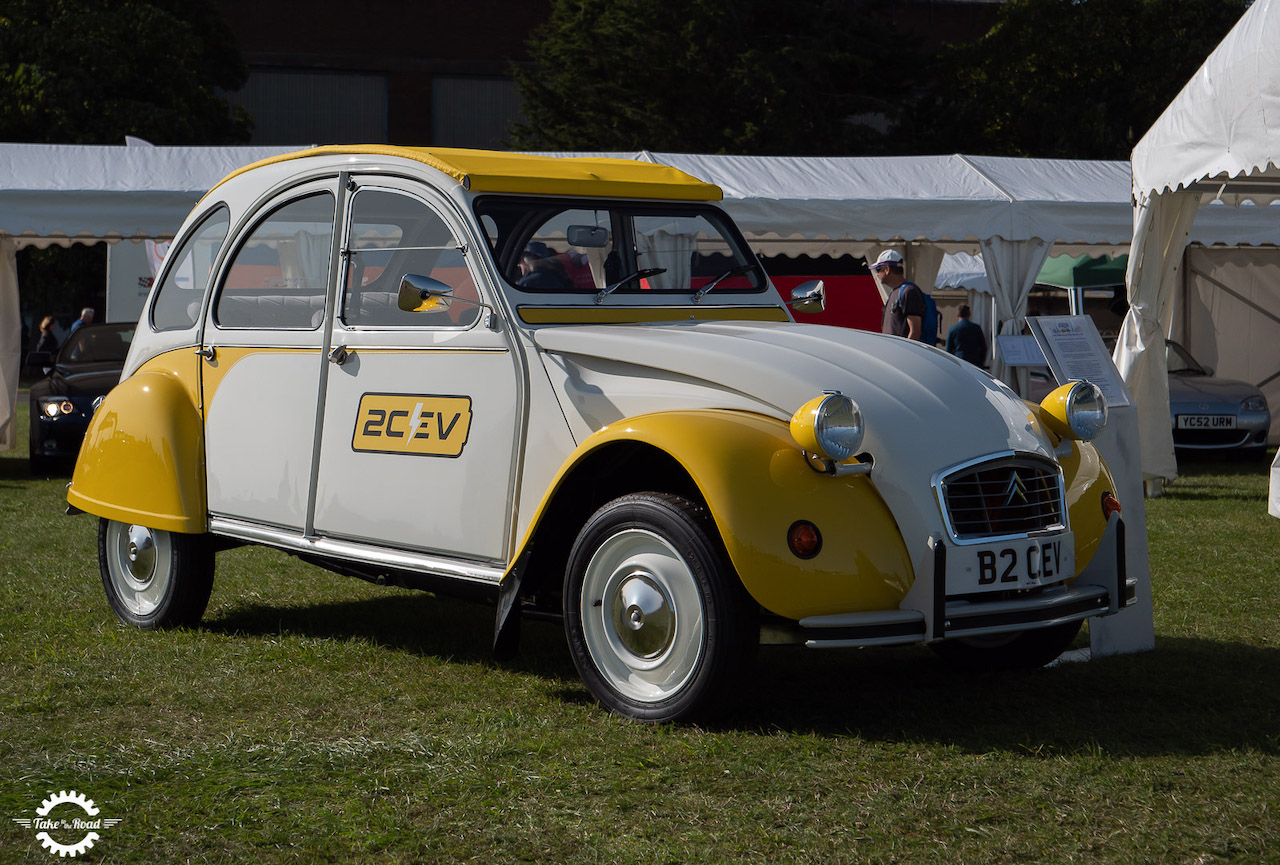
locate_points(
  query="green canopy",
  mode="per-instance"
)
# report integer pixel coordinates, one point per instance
(1083, 271)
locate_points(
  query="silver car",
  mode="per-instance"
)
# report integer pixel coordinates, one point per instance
(1214, 414)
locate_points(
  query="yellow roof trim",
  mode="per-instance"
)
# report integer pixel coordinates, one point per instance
(496, 171)
(645, 314)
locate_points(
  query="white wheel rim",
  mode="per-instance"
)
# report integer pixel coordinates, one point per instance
(642, 616)
(138, 559)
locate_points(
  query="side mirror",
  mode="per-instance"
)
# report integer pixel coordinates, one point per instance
(422, 293)
(810, 297)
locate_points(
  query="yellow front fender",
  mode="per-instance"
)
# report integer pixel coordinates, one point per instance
(142, 460)
(756, 484)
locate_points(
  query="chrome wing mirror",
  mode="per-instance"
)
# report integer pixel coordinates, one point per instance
(420, 293)
(810, 297)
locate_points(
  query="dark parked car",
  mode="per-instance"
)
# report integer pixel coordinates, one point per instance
(1219, 415)
(1209, 415)
(84, 369)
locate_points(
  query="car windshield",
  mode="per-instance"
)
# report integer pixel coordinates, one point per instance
(108, 343)
(576, 246)
(1180, 361)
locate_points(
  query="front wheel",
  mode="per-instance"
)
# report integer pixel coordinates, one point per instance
(1024, 650)
(656, 619)
(154, 578)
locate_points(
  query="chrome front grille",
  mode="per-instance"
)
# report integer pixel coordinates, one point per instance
(1006, 496)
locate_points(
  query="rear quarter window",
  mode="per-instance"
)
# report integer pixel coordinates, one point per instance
(181, 293)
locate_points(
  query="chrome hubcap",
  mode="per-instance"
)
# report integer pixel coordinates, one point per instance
(138, 562)
(642, 616)
(141, 553)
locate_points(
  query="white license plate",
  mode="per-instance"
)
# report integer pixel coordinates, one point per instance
(1023, 563)
(1206, 421)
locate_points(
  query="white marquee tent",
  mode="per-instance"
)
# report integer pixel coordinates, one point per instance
(1012, 210)
(64, 194)
(1219, 140)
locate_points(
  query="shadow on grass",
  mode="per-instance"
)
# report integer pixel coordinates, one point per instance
(1189, 696)
(418, 622)
(14, 467)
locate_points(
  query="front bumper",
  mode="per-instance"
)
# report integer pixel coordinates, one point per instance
(1102, 589)
(1250, 432)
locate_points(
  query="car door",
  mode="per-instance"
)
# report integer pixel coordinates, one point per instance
(262, 359)
(421, 409)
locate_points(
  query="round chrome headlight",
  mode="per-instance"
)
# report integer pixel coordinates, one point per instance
(1086, 410)
(829, 426)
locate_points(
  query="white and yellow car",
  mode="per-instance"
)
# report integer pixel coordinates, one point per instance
(568, 387)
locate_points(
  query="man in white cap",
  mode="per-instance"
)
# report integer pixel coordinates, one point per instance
(904, 310)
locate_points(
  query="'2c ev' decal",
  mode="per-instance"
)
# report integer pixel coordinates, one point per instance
(424, 424)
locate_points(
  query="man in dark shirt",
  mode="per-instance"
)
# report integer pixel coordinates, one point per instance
(965, 339)
(904, 309)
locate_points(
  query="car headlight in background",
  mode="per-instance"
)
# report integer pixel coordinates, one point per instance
(1254, 403)
(1076, 410)
(57, 407)
(829, 426)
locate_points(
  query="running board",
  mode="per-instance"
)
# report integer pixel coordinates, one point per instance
(352, 551)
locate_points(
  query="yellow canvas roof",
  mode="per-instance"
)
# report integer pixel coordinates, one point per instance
(496, 171)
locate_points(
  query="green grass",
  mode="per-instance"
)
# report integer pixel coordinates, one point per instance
(315, 718)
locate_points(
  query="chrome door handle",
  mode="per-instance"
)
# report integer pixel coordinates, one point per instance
(339, 355)
(208, 352)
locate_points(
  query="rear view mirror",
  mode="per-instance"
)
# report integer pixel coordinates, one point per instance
(588, 236)
(810, 297)
(422, 293)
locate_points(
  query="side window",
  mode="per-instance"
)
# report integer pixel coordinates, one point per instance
(391, 235)
(181, 293)
(278, 275)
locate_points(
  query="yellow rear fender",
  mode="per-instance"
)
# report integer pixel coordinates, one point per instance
(756, 485)
(142, 460)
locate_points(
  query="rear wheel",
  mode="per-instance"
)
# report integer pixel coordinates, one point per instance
(657, 621)
(154, 578)
(1024, 650)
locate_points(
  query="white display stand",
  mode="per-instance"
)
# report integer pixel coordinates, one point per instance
(1273, 493)
(128, 281)
(1074, 350)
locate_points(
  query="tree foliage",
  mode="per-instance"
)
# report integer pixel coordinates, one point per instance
(751, 76)
(1052, 78)
(1081, 79)
(87, 72)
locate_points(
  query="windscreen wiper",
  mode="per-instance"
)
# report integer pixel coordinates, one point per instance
(733, 271)
(639, 274)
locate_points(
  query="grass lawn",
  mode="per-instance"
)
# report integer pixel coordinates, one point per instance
(315, 718)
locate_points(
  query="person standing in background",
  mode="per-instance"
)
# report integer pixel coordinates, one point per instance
(47, 341)
(966, 340)
(86, 317)
(904, 309)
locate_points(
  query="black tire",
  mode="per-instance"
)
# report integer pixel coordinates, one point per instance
(657, 621)
(1025, 650)
(154, 578)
